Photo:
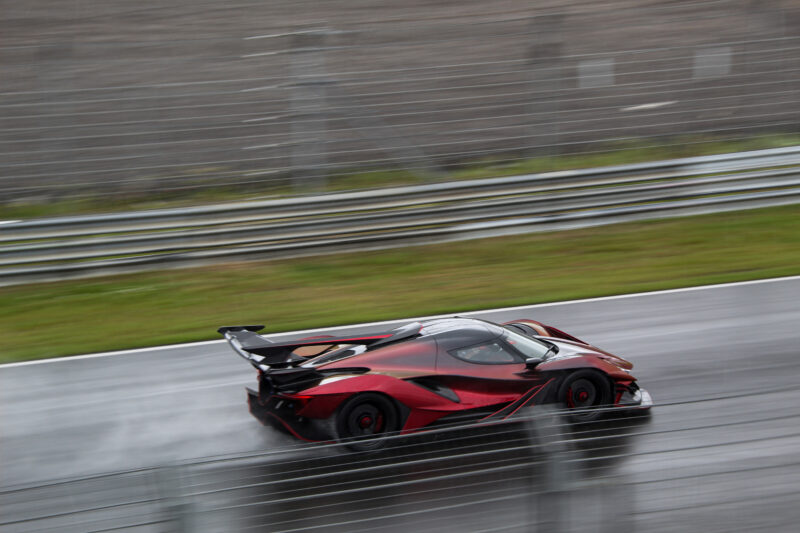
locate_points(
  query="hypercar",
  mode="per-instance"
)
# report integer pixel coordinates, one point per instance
(359, 389)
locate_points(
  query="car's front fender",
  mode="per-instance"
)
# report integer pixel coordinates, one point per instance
(574, 363)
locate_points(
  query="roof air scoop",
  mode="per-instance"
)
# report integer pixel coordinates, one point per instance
(400, 334)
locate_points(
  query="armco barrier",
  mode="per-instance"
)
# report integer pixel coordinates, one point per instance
(81, 246)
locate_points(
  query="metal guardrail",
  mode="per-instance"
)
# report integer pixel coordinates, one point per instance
(83, 246)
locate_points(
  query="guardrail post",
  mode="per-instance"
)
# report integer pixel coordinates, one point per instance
(178, 510)
(544, 58)
(308, 100)
(546, 431)
(574, 492)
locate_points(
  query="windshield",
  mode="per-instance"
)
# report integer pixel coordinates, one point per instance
(530, 348)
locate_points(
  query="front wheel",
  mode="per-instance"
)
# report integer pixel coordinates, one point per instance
(365, 421)
(584, 393)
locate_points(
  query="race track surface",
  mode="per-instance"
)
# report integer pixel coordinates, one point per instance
(718, 454)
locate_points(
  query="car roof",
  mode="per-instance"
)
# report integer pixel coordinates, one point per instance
(458, 332)
(438, 326)
(443, 334)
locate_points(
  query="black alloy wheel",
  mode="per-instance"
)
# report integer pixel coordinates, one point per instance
(584, 393)
(365, 421)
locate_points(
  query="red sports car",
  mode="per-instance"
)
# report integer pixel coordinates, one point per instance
(361, 388)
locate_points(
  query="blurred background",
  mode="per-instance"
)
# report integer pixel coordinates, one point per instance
(106, 99)
(169, 167)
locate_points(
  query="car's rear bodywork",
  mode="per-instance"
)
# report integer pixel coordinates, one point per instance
(426, 374)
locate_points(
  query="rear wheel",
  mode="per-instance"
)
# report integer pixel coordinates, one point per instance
(365, 421)
(584, 393)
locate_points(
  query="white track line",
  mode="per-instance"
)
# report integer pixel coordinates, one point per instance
(403, 320)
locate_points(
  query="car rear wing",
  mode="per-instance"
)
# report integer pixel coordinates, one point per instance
(240, 336)
(264, 354)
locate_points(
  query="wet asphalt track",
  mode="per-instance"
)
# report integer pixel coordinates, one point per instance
(699, 464)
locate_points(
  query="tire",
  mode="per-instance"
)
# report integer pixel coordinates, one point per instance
(583, 393)
(364, 421)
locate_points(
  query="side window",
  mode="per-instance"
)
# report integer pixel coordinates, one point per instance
(490, 353)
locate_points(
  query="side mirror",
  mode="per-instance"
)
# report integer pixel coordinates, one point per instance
(531, 364)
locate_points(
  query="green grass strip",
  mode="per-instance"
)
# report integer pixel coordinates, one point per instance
(70, 317)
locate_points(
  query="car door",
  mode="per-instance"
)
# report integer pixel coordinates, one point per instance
(490, 373)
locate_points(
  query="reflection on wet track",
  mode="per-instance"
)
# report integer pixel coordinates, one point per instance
(719, 452)
(511, 476)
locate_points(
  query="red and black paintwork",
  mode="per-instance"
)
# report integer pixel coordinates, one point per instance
(418, 376)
